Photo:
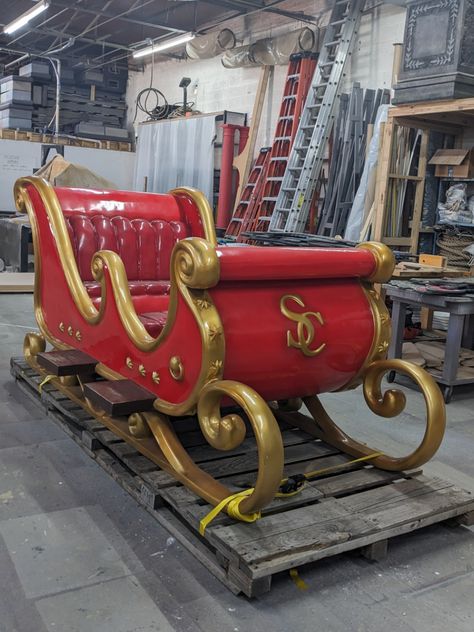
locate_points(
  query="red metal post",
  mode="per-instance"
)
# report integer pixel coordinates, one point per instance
(226, 181)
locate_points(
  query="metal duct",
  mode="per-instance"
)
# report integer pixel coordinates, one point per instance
(277, 50)
(238, 57)
(211, 45)
(271, 50)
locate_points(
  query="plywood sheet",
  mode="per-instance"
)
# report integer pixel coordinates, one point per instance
(19, 282)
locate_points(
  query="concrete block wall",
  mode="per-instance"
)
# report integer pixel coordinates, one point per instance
(215, 88)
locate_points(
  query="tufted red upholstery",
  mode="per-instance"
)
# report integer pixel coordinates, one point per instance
(142, 229)
(144, 246)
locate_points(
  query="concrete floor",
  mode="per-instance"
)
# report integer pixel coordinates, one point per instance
(78, 555)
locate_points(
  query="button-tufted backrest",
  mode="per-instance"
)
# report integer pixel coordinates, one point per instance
(145, 247)
(141, 228)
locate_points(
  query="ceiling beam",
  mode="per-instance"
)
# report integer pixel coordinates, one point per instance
(31, 52)
(106, 14)
(247, 6)
(97, 42)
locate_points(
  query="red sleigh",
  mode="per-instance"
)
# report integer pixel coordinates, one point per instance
(138, 282)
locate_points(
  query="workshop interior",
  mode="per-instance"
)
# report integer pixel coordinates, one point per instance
(237, 315)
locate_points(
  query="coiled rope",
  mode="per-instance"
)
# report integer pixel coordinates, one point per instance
(452, 245)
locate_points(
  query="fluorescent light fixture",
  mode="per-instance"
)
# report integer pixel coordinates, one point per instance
(171, 43)
(24, 18)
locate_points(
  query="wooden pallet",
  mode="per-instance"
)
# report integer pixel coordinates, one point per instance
(359, 507)
(115, 145)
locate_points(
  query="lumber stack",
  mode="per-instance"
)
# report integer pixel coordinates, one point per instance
(356, 118)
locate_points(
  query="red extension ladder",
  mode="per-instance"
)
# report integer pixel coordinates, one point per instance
(251, 192)
(261, 191)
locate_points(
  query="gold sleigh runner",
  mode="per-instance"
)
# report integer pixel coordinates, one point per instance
(242, 329)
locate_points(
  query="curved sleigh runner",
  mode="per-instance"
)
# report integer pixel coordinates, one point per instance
(138, 284)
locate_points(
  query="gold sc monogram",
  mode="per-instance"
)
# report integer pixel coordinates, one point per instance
(304, 328)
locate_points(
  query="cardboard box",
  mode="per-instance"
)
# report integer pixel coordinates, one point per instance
(453, 163)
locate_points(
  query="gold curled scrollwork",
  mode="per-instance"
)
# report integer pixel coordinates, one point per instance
(204, 210)
(194, 268)
(171, 456)
(33, 344)
(226, 433)
(389, 404)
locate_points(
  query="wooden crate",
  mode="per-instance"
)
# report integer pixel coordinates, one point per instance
(356, 508)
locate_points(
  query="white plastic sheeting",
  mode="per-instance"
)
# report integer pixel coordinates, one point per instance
(176, 153)
(366, 192)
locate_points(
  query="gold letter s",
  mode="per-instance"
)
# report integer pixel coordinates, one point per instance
(304, 328)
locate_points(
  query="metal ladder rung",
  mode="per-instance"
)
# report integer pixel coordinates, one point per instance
(317, 119)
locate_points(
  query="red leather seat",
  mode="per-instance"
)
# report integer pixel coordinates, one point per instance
(145, 248)
(153, 322)
(137, 288)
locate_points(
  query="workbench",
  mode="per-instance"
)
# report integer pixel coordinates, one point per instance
(460, 329)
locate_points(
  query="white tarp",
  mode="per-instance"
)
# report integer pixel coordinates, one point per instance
(366, 192)
(175, 153)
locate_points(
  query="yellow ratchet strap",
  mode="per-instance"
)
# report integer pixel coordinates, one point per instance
(340, 466)
(300, 583)
(47, 379)
(326, 470)
(232, 503)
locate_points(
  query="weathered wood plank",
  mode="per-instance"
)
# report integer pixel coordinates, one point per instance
(350, 482)
(247, 479)
(206, 452)
(249, 462)
(385, 508)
